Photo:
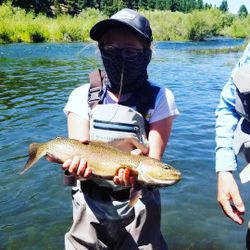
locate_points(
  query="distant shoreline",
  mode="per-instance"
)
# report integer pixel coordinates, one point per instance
(18, 26)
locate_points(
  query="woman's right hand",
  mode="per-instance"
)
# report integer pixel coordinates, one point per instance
(78, 167)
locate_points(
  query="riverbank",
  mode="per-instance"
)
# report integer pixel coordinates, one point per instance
(18, 26)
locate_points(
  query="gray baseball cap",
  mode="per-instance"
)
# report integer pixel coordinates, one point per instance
(124, 18)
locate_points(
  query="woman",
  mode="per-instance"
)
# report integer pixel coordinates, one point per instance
(118, 103)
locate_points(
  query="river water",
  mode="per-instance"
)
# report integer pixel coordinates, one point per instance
(35, 81)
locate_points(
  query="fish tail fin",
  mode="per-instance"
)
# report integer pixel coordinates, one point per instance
(35, 153)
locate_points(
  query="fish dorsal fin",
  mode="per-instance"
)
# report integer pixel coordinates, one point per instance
(128, 144)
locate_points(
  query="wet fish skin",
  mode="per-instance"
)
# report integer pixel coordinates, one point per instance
(105, 160)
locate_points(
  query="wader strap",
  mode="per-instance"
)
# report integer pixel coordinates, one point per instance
(95, 88)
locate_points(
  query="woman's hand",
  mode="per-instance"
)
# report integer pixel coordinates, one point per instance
(124, 177)
(77, 167)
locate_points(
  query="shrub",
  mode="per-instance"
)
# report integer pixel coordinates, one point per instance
(18, 26)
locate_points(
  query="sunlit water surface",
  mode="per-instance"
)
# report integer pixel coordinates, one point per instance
(35, 81)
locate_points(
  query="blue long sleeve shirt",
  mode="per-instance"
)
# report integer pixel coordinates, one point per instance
(226, 121)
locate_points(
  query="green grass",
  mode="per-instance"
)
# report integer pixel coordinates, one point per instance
(220, 50)
(18, 26)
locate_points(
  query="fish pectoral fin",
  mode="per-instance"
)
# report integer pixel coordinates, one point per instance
(134, 196)
(53, 158)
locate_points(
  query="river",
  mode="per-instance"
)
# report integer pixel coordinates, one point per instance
(35, 81)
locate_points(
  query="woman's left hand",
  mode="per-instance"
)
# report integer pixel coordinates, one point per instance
(124, 177)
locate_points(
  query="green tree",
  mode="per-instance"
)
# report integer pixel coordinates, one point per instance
(110, 7)
(207, 6)
(224, 6)
(74, 6)
(151, 4)
(189, 5)
(37, 6)
(160, 4)
(132, 4)
(174, 5)
(243, 11)
(200, 4)
(143, 4)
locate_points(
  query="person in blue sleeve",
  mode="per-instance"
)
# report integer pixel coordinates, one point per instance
(233, 138)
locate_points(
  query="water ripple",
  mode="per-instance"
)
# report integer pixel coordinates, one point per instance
(35, 81)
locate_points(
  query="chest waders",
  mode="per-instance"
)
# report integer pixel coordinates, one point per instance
(242, 106)
(102, 217)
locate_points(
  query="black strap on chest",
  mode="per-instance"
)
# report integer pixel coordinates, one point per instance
(96, 85)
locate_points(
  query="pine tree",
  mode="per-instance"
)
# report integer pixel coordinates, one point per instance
(36, 6)
(174, 5)
(200, 4)
(224, 6)
(160, 4)
(207, 6)
(110, 7)
(243, 11)
(131, 4)
(74, 6)
(143, 4)
(151, 4)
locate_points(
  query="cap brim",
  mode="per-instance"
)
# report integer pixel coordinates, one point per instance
(99, 29)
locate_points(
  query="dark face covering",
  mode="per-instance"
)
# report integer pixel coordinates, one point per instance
(125, 66)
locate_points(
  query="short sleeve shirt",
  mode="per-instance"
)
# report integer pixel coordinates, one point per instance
(165, 105)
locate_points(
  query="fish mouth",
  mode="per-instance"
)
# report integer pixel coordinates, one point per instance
(158, 182)
(158, 176)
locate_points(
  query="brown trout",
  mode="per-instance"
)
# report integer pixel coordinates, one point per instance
(105, 160)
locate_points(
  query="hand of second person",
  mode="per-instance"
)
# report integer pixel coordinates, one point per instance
(78, 167)
(228, 192)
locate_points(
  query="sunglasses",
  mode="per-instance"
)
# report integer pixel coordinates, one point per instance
(111, 51)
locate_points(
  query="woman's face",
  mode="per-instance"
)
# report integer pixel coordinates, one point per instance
(122, 38)
(125, 58)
